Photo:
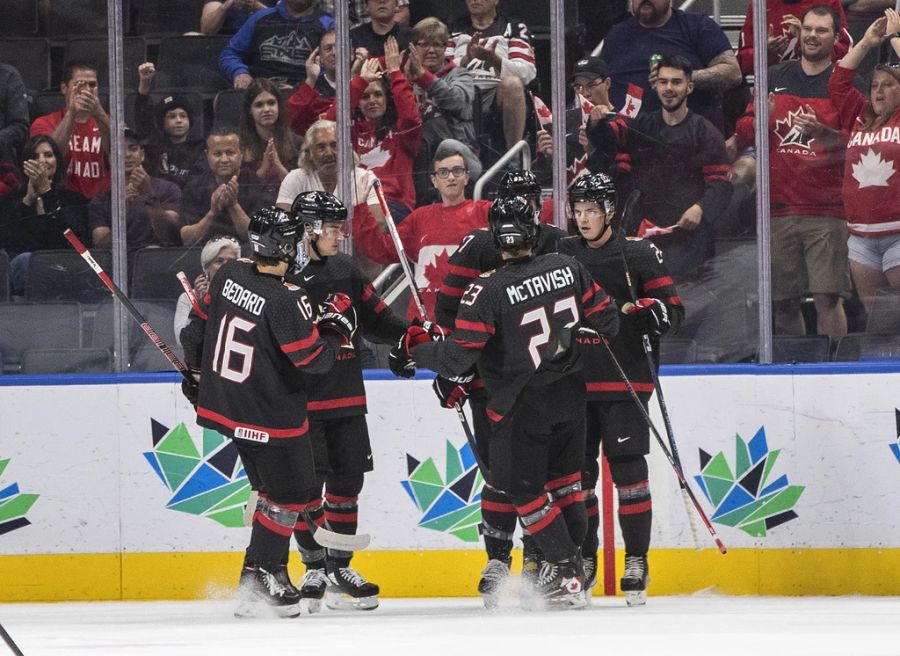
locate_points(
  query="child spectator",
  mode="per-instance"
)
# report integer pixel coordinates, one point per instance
(265, 138)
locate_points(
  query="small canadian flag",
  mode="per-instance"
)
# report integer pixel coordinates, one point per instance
(542, 112)
(634, 97)
(586, 107)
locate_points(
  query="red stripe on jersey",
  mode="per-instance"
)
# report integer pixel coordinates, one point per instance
(618, 387)
(312, 357)
(600, 306)
(454, 292)
(277, 433)
(464, 271)
(470, 345)
(495, 506)
(301, 344)
(493, 416)
(563, 481)
(532, 506)
(341, 518)
(537, 527)
(656, 283)
(636, 508)
(521, 55)
(331, 404)
(476, 326)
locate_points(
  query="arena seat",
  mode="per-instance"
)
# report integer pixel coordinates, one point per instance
(4, 276)
(191, 63)
(142, 355)
(159, 17)
(801, 348)
(96, 50)
(25, 326)
(64, 276)
(19, 19)
(885, 314)
(79, 18)
(227, 107)
(677, 350)
(31, 57)
(155, 271)
(66, 361)
(868, 346)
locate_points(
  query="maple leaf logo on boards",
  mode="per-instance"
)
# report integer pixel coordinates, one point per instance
(789, 134)
(872, 171)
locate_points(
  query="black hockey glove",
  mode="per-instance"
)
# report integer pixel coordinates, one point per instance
(338, 315)
(650, 315)
(452, 390)
(401, 364)
(191, 388)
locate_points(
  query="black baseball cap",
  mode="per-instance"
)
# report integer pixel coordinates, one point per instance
(134, 135)
(590, 67)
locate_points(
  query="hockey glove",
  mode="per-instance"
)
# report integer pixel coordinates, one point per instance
(401, 364)
(416, 334)
(191, 388)
(338, 315)
(452, 390)
(650, 315)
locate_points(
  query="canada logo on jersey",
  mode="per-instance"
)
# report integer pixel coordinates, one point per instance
(791, 138)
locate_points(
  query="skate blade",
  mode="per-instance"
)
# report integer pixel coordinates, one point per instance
(310, 605)
(636, 597)
(340, 601)
(259, 609)
(491, 601)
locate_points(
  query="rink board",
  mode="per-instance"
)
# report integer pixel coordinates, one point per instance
(86, 514)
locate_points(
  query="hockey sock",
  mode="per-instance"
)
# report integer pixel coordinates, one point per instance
(635, 504)
(566, 495)
(498, 523)
(272, 527)
(591, 542)
(342, 510)
(311, 553)
(545, 523)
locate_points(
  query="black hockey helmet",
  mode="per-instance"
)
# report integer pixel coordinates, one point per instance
(520, 183)
(274, 233)
(512, 223)
(595, 187)
(315, 208)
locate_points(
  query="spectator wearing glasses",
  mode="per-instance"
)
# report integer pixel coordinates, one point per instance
(871, 192)
(430, 234)
(81, 128)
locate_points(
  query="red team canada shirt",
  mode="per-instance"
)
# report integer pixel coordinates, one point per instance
(87, 166)
(871, 188)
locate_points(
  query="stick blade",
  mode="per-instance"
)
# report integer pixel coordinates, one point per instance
(341, 541)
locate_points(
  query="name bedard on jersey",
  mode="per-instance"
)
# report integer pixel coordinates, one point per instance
(540, 284)
(243, 298)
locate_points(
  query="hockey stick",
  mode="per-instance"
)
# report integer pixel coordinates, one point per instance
(665, 449)
(627, 211)
(420, 306)
(323, 536)
(13, 647)
(133, 311)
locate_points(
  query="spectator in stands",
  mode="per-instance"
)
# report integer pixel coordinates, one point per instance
(13, 113)
(265, 136)
(657, 29)
(383, 24)
(783, 18)
(809, 232)
(227, 16)
(170, 152)
(445, 93)
(315, 96)
(151, 205)
(81, 128)
(430, 234)
(590, 80)
(676, 158)
(317, 171)
(387, 129)
(498, 53)
(216, 252)
(871, 192)
(45, 209)
(275, 43)
(359, 11)
(221, 200)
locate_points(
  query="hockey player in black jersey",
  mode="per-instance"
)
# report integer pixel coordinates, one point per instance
(253, 344)
(478, 252)
(518, 324)
(612, 417)
(337, 401)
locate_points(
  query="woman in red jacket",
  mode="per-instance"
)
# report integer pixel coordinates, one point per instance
(871, 186)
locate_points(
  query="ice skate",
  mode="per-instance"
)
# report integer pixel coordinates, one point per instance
(532, 558)
(347, 589)
(590, 575)
(312, 589)
(561, 585)
(282, 576)
(493, 576)
(635, 580)
(260, 593)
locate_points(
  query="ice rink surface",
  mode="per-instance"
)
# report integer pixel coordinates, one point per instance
(670, 626)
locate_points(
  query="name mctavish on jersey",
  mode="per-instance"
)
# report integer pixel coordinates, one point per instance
(540, 284)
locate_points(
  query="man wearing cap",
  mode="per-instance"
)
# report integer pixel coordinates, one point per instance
(591, 82)
(171, 153)
(151, 205)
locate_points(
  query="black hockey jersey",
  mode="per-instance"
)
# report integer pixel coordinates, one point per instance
(519, 323)
(477, 253)
(340, 392)
(257, 337)
(650, 280)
